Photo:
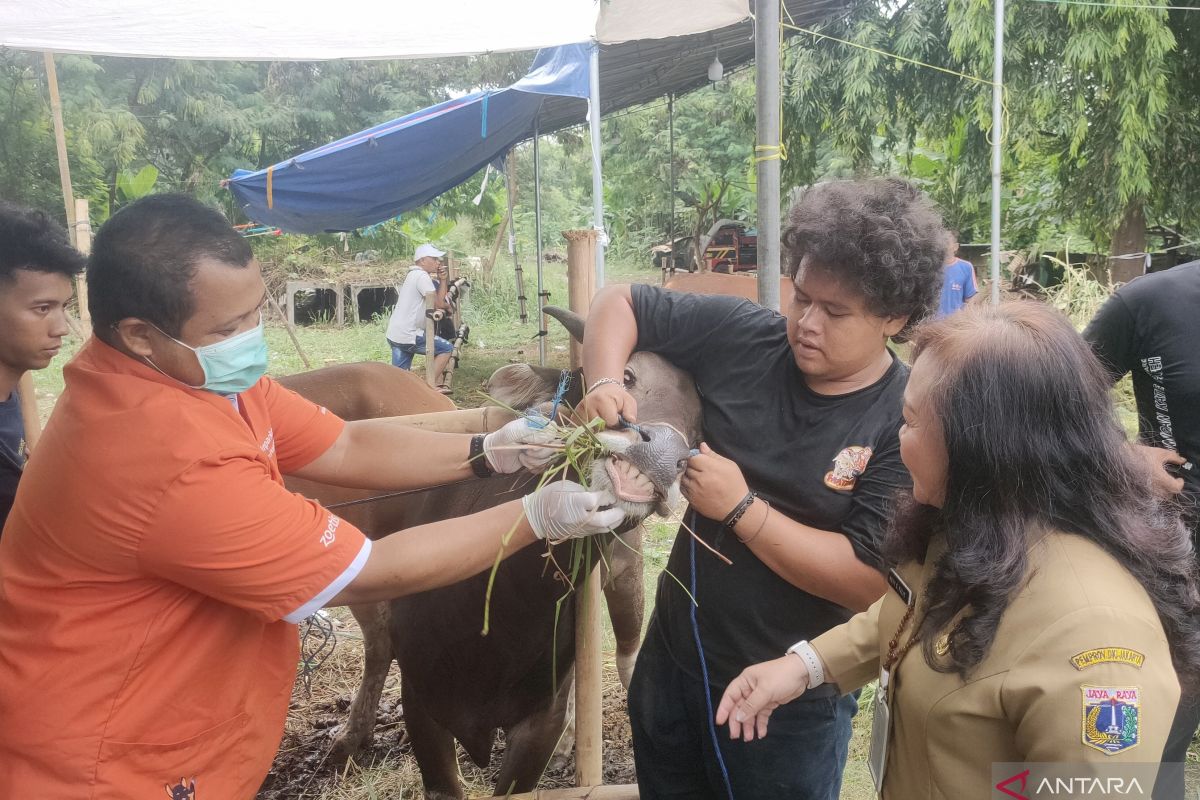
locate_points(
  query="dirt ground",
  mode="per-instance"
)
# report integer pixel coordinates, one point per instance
(386, 767)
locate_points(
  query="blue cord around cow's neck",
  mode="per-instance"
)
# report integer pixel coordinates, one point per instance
(712, 723)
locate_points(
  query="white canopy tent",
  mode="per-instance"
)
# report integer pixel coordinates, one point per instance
(285, 30)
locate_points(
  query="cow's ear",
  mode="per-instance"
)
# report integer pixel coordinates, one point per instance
(574, 323)
(170, 794)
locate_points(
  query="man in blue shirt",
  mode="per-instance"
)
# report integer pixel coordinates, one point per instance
(958, 283)
(37, 268)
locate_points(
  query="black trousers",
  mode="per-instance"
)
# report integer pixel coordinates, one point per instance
(801, 758)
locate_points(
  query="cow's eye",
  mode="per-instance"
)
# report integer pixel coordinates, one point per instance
(630, 380)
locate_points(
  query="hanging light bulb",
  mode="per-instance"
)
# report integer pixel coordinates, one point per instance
(716, 70)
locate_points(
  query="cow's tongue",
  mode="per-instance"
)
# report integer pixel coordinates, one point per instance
(624, 485)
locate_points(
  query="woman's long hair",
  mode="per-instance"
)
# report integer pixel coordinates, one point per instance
(1033, 444)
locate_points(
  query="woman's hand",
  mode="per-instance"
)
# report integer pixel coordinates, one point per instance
(607, 401)
(760, 689)
(1156, 460)
(713, 484)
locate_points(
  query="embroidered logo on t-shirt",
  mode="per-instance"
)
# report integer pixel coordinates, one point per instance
(847, 466)
(330, 536)
(184, 790)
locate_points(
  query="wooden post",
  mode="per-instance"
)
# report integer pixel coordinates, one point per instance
(589, 721)
(83, 243)
(60, 142)
(29, 411)
(430, 345)
(581, 279)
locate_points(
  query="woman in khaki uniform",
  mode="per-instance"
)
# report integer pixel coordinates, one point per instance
(1044, 601)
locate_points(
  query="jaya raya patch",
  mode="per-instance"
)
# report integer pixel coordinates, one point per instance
(1112, 718)
(1108, 655)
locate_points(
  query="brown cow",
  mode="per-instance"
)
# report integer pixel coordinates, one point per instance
(455, 683)
(733, 285)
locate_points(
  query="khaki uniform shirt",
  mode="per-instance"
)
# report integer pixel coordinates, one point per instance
(1079, 671)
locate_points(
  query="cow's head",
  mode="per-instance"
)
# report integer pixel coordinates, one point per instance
(644, 465)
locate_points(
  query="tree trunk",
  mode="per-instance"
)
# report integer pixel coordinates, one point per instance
(1130, 237)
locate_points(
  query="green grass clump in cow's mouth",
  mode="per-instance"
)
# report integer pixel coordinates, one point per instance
(580, 447)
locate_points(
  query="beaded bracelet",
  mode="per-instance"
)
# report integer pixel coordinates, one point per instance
(739, 510)
(601, 381)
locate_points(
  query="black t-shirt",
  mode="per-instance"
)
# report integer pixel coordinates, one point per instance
(830, 462)
(1151, 327)
(12, 455)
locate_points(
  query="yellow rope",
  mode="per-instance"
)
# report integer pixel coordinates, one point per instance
(270, 187)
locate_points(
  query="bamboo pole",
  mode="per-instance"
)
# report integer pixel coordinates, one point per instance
(287, 323)
(29, 411)
(83, 243)
(60, 142)
(430, 344)
(510, 164)
(581, 279)
(589, 721)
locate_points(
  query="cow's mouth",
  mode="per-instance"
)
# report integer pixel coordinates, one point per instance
(629, 483)
(642, 475)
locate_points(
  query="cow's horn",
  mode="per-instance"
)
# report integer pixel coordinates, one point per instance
(570, 320)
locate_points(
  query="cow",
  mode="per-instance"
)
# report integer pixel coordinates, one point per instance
(717, 283)
(456, 683)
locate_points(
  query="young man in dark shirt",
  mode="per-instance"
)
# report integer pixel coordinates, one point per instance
(804, 410)
(1150, 328)
(37, 267)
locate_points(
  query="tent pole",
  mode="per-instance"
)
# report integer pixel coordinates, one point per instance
(597, 177)
(510, 164)
(997, 139)
(537, 232)
(671, 143)
(767, 153)
(60, 141)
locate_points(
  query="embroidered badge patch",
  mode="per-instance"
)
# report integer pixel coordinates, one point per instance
(1108, 655)
(184, 790)
(847, 466)
(1112, 718)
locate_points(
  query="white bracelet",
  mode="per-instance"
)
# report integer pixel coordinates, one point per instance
(601, 381)
(816, 669)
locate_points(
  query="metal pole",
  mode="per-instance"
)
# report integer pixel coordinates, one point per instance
(671, 140)
(766, 59)
(997, 139)
(537, 232)
(597, 178)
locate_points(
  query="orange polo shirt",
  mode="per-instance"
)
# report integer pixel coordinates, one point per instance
(150, 574)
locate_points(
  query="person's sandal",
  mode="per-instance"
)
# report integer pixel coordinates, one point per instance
(443, 388)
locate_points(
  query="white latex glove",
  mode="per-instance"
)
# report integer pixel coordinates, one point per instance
(565, 510)
(515, 447)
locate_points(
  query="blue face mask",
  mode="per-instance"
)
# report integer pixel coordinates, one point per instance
(231, 366)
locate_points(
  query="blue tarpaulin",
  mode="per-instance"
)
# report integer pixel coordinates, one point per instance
(391, 168)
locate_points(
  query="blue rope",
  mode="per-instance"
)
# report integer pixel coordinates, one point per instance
(483, 117)
(712, 723)
(537, 420)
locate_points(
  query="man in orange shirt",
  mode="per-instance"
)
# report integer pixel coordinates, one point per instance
(154, 566)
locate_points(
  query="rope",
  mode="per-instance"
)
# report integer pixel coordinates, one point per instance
(536, 420)
(317, 643)
(1130, 6)
(712, 724)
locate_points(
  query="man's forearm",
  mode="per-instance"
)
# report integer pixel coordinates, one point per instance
(438, 554)
(822, 563)
(612, 334)
(383, 454)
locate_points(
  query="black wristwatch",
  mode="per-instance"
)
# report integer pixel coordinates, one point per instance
(479, 462)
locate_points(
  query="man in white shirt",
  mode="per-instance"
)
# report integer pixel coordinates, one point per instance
(406, 328)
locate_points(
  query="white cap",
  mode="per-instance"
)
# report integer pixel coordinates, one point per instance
(427, 250)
